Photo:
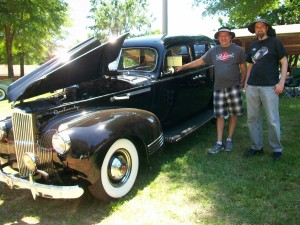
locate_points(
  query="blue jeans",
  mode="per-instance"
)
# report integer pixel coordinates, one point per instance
(259, 97)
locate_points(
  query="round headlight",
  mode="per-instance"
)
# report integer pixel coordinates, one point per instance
(3, 133)
(63, 127)
(31, 161)
(61, 142)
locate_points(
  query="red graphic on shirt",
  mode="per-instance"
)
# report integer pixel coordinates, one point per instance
(225, 56)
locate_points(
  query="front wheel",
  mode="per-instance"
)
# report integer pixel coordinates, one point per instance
(118, 171)
(2, 94)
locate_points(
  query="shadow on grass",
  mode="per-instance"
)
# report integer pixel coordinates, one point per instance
(18, 206)
(220, 189)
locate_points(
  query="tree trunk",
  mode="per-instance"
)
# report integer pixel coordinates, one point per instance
(9, 56)
(22, 62)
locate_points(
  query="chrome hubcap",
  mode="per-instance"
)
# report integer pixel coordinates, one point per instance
(119, 168)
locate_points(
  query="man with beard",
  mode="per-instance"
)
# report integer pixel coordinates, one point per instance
(263, 86)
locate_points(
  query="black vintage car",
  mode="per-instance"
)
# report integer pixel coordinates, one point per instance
(111, 105)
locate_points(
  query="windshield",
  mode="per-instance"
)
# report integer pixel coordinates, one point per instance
(141, 59)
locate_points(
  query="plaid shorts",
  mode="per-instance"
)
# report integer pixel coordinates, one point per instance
(228, 101)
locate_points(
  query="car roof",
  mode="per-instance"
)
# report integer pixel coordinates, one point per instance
(161, 41)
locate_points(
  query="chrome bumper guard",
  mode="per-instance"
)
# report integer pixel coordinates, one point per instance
(42, 190)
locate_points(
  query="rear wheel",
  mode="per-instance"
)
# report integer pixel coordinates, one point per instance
(2, 94)
(118, 171)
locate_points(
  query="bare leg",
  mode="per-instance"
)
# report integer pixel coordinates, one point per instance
(232, 124)
(220, 128)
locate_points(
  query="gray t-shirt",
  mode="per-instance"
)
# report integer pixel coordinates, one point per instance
(226, 62)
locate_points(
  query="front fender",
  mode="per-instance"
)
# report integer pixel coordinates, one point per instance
(89, 134)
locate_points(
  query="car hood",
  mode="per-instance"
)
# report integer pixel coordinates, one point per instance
(87, 61)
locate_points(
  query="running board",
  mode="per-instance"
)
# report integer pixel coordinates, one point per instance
(175, 134)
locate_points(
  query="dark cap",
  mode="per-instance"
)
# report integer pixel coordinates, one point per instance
(224, 29)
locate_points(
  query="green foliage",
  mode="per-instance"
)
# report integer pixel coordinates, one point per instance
(288, 13)
(2, 50)
(41, 24)
(240, 13)
(32, 27)
(115, 17)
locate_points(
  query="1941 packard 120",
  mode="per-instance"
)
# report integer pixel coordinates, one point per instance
(111, 105)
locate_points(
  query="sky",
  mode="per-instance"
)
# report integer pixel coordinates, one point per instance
(182, 19)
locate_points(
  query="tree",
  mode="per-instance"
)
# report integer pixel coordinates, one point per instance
(30, 26)
(240, 13)
(115, 17)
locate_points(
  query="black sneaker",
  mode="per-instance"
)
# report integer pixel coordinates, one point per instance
(253, 152)
(277, 155)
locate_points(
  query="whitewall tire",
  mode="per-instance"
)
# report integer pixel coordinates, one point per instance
(119, 170)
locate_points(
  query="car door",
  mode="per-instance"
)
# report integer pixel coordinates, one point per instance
(183, 95)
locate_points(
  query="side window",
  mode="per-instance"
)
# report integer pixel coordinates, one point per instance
(201, 48)
(176, 56)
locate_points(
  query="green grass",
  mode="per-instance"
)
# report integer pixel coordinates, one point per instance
(185, 185)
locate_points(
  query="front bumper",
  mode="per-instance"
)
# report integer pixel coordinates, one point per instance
(37, 189)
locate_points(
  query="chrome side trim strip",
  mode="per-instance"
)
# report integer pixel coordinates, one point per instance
(156, 144)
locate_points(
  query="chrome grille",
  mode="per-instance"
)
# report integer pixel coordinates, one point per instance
(24, 131)
(45, 151)
(24, 137)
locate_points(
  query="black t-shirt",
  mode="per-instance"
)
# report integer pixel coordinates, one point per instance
(265, 56)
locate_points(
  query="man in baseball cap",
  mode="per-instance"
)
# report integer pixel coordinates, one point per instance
(230, 72)
(263, 86)
(224, 29)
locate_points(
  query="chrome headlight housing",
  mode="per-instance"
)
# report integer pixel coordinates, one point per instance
(3, 133)
(61, 142)
(31, 161)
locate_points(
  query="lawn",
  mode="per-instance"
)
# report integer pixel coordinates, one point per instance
(185, 185)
